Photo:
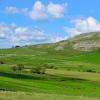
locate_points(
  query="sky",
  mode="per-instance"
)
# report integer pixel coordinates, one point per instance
(28, 22)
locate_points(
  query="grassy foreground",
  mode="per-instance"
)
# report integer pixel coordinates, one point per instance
(40, 96)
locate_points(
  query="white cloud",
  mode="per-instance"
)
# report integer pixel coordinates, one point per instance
(26, 35)
(16, 35)
(11, 9)
(89, 24)
(39, 10)
(29, 31)
(42, 12)
(4, 31)
(21, 30)
(56, 10)
(15, 10)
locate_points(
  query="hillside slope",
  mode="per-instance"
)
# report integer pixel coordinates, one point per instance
(83, 42)
(68, 70)
(60, 54)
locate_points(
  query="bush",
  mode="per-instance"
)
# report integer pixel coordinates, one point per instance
(50, 66)
(90, 70)
(18, 68)
(17, 46)
(1, 62)
(38, 70)
(21, 66)
(14, 68)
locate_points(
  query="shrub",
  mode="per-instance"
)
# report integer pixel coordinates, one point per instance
(18, 68)
(1, 62)
(90, 70)
(50, 66)
(38, 70)
(21, 66)
(17, 46)
(14, 68)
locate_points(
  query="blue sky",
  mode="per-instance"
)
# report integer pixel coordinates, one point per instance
(26, 22)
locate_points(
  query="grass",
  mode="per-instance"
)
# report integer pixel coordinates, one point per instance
(70, 81)
(90, 60)
(60, 81)
(75, 74)
(40, 96)
(49, 84)
(89, 57)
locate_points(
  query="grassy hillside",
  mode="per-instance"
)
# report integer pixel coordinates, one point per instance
(68, 71)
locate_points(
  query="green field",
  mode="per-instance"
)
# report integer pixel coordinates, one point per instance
(69, 74)
(40, 96)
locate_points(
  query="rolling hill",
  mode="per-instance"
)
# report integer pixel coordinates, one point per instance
(72, 67)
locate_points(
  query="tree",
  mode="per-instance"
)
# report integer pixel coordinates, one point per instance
(17, 46)
(1, 62)
(38, 70)
(14, 68)
(18, 68)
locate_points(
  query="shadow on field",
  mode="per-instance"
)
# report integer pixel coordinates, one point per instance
(39, 77)
(18, 76)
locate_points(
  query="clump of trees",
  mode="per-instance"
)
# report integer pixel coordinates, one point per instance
(17, 68)
(38, 70)
(17, 46)
(42, 69)
(90, 70)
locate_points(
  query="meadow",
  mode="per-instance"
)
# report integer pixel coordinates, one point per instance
(68, 75)
(40, 96)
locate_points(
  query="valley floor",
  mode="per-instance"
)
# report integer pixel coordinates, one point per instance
(74, 77)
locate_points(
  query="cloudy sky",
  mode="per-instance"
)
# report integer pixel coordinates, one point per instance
(26, 22)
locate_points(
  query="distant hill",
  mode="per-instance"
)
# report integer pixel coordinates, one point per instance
(82, 43)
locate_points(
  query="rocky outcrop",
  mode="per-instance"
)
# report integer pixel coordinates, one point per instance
(87, 46)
